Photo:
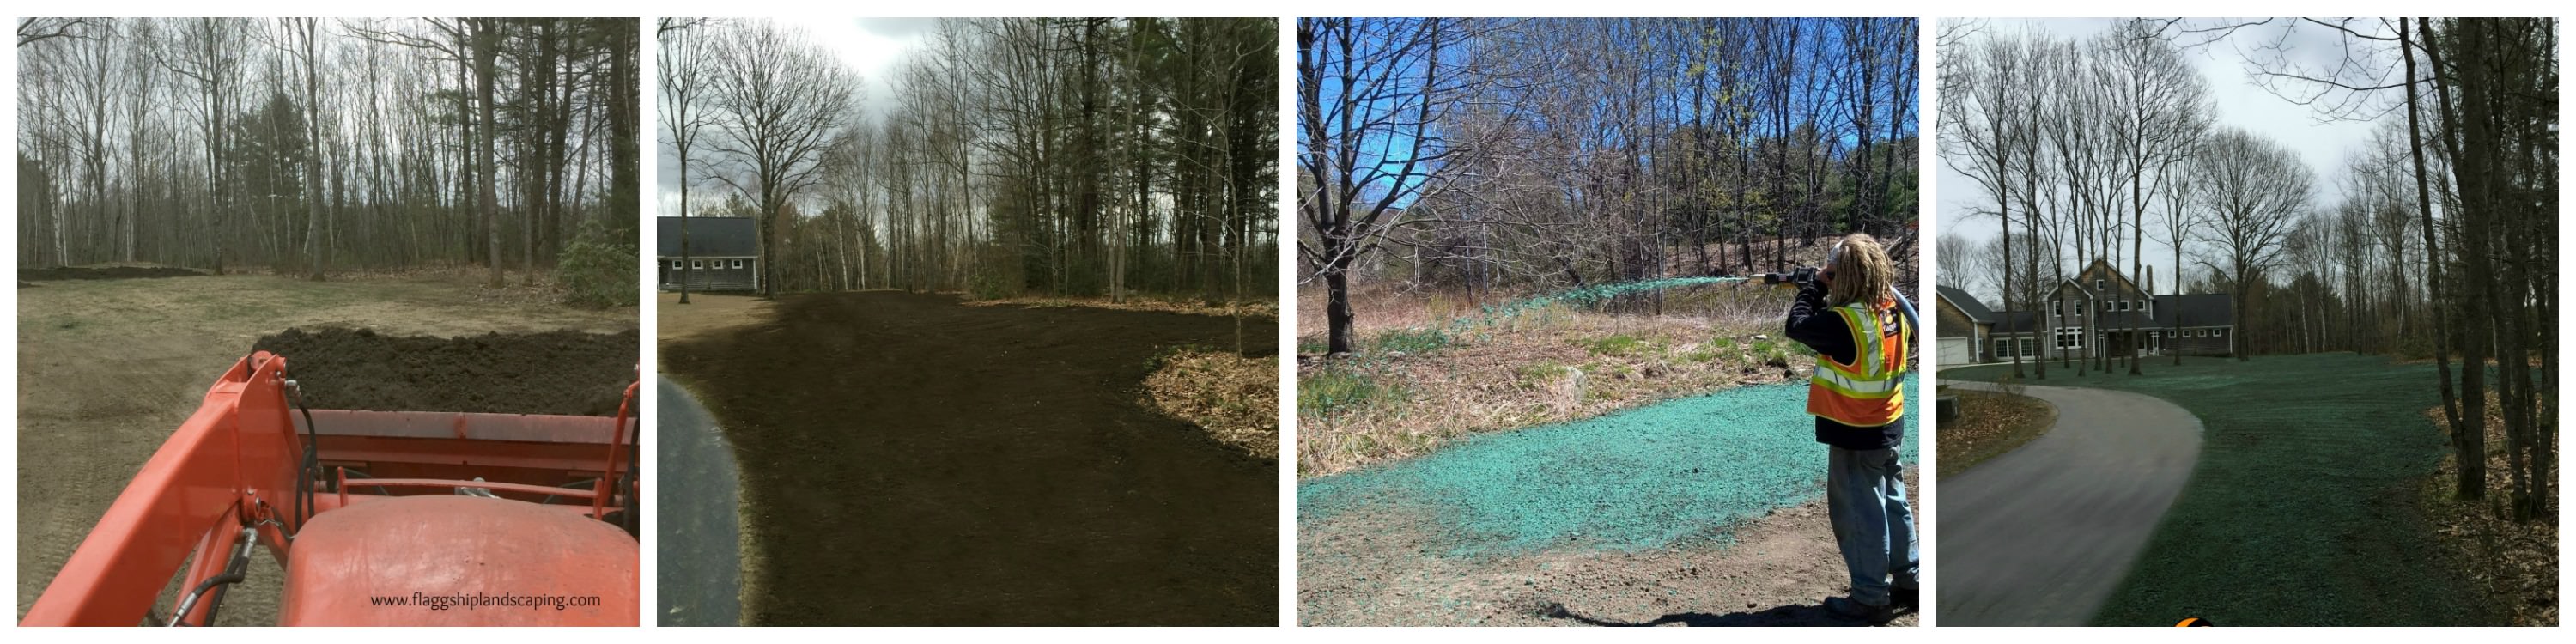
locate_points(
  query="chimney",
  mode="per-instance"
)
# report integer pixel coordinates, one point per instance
(2151, 280)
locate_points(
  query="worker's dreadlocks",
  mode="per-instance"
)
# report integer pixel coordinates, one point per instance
(1861, 271)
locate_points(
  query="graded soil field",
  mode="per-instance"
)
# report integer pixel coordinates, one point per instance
(906, 459)
(107, 369)
(555, 372)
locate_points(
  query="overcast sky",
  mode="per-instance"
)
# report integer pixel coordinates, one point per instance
(2239, 103)
(869, 46)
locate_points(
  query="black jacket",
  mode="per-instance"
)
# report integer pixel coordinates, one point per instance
(1812, 324)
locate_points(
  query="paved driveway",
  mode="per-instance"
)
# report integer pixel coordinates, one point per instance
(699, 545)
(2040, 536)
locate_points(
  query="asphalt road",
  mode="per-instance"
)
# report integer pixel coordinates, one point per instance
(699, 550)
(2042, 535)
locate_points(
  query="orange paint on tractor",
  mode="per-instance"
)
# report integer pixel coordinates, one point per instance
(459, 561)
(537, 527)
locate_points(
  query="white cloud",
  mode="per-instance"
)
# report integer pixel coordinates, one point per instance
(872, 47)
(2240, 103)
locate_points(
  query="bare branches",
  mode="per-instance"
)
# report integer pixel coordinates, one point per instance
(33, 30)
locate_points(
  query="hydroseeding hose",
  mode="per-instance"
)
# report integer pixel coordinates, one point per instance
(1492, 314)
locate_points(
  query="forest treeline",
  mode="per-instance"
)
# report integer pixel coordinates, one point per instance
(2436, 237)
(314, 145)
(1064, 156)
(1484, 153)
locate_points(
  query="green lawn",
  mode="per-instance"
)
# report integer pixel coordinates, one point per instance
(2302, 510)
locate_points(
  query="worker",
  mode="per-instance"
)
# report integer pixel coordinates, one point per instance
(1850, 315)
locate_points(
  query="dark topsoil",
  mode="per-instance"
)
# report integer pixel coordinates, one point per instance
(556, 372)
(109, 273)
(910, 460)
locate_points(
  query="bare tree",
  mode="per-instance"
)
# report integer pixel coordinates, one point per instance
(2254, 190)
(1957, 254)
(778, 98)
(1985, 117)
(2160, 108)
(2182, 220)
(682, 64)
(1368, 93)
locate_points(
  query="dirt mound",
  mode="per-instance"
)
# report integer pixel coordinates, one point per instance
(108, 273)
(557, 372)
(909, 460)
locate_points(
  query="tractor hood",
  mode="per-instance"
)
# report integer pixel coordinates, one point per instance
(440, 560)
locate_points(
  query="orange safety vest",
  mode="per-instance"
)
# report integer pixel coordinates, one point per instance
(1870, 391)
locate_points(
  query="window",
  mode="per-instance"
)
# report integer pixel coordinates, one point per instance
(2003, 347)
(2218, 333)
(2026, 345)
(675, 265)
(737, 263)
(2099, 283)
(2124, 305)
(697, 263)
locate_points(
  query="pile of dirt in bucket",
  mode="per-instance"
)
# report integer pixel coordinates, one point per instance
(108, 273)
(556, 372)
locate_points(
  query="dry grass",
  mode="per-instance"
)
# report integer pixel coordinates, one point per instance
(707, 312)
(1989, 425)
(2515, 565)
(1234, 398)
(1253, 308)
(1414, 386)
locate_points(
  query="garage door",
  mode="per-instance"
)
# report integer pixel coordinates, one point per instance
(1956, 351)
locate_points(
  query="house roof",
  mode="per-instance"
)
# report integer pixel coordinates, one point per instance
(709, 237)
(2017, 322)
(2196, 309)
(1967, 304)
(2193, 309)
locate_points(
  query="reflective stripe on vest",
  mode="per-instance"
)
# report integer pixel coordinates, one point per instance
(1868, 392)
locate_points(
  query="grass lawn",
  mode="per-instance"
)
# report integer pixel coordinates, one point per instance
(2303, 510)
(1989, 425)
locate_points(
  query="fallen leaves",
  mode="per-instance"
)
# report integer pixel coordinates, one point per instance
(1234, 398)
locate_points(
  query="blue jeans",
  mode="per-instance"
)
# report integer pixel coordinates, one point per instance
(1865, 494)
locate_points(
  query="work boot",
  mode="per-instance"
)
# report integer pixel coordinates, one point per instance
(1907, 598)
(1847, 608)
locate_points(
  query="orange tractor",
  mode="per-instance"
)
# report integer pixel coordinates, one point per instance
(381, 518)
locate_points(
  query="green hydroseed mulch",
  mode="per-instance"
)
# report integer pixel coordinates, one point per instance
(1646, 478)
(2302, 508)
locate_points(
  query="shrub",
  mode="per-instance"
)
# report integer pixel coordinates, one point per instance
(1620, 345)
(1541, 373)
(598, 269)
(1412, 340)
(1335, 389)
(991, 285)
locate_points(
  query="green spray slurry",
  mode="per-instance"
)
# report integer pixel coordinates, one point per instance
(1640, 479)
(1489, 316)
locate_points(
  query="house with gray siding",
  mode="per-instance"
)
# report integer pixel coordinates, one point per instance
(723, 253)
(2098, 311)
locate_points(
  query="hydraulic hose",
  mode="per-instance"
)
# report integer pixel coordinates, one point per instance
(234, 570)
